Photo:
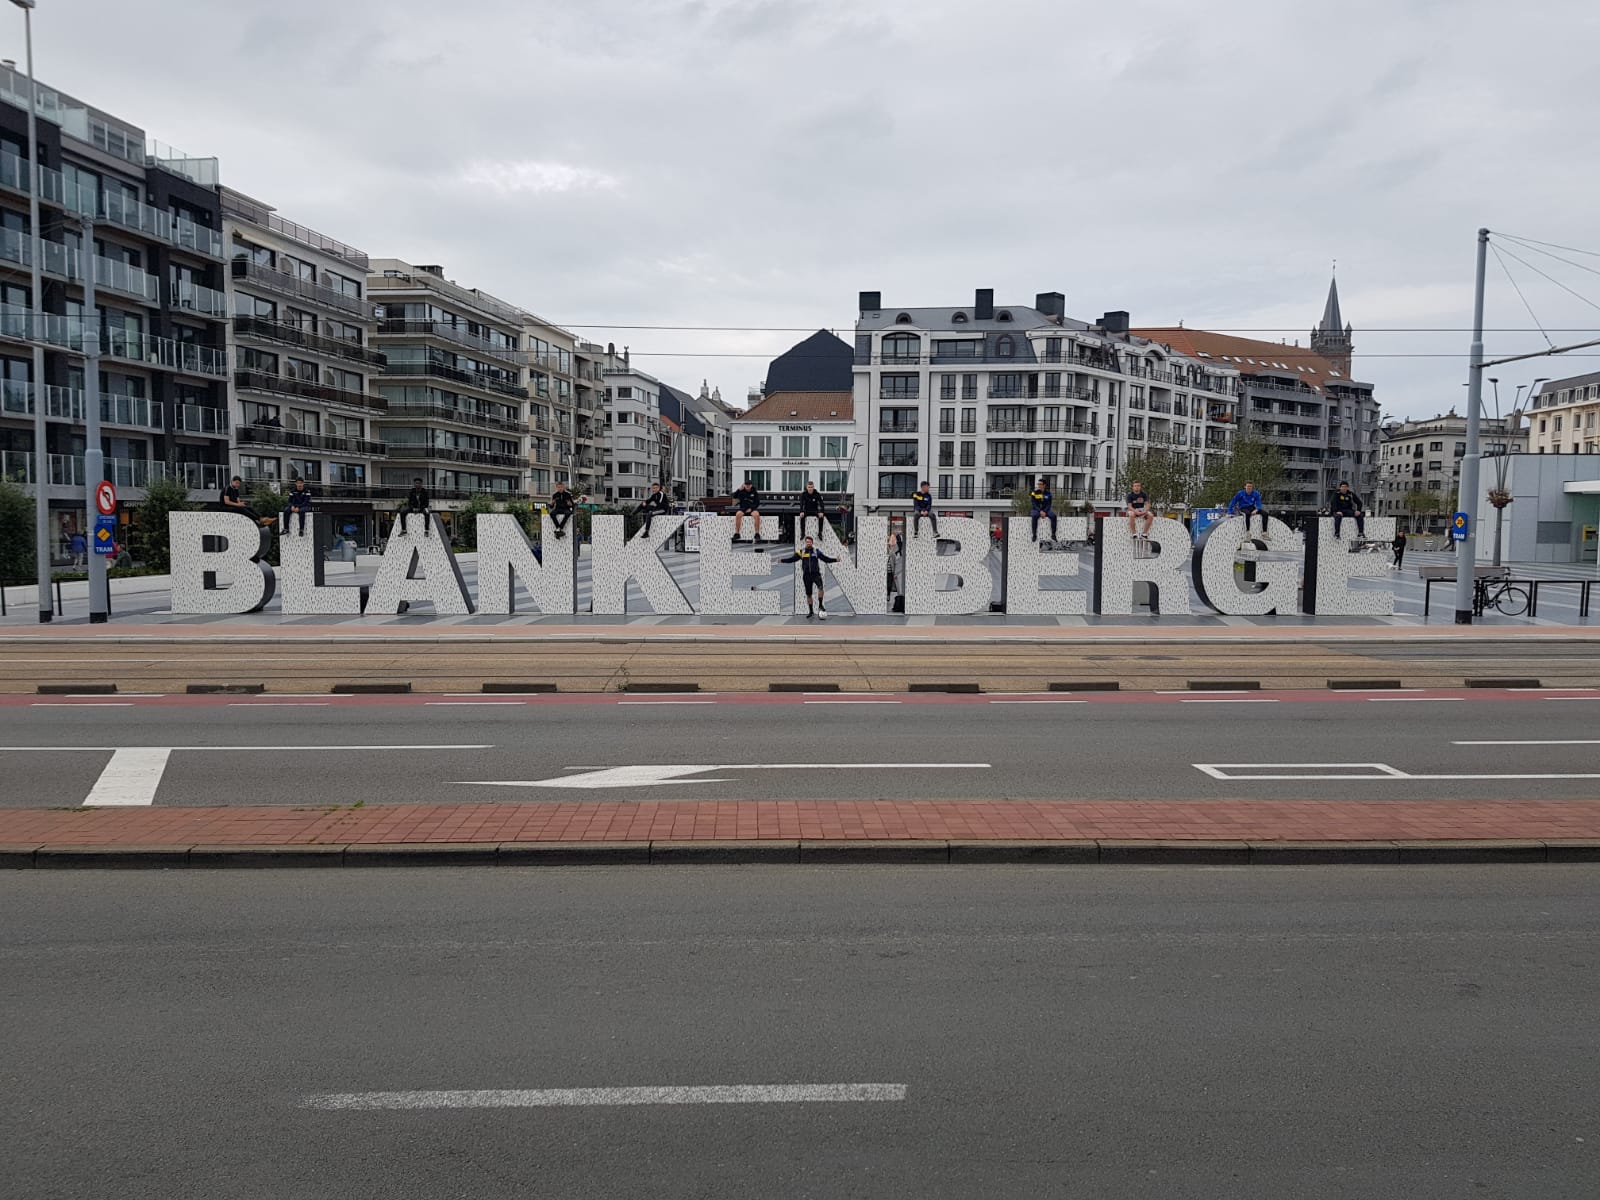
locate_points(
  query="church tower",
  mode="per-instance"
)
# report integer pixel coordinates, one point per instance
(1332, 338)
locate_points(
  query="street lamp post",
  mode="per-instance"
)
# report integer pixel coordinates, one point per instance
(1466, 552)
(35, 320)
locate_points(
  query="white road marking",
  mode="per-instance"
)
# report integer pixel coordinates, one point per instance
(666, 701)
(130, 779)
(650, 776)
(1343, 773)
(744, 1093)
(1263, 701)
(850, 702)
(277, 704)
(471, 703)
(1416, 699)
(1552, 742)
(82, 704)
(1572, 697)
(1038, 702)
(1200, 691)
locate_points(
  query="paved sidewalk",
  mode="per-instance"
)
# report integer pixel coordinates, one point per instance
(1225, 831)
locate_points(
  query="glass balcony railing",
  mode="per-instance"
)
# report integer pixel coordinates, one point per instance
(197, 418)
(64, 263)
(191, 297)
(16, 398)
(17, 466)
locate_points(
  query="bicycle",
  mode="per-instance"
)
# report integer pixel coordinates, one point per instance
(1510, 598)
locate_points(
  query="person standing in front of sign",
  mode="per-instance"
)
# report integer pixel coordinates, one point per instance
(561, 509)
(811, 560)
(1246, 502)
(1399, 547)
(1347, 504)
(1138, 502)
(1040, 501)
(922, 506)
(299, 502)
(417, 502)
(811, 509)
(655, 504)
(748, 501)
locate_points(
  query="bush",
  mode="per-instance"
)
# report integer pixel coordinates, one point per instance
(465, 524)
(17, 562)
(152, 538)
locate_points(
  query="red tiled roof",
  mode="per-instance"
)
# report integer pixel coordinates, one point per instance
(1249, 356)
(802, 406)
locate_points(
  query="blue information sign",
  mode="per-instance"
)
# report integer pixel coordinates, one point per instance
(105, 534)
(1202, 519)
(1458, 527)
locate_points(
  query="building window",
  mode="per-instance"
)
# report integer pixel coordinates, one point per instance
(969, 487)
(969, 387)
(947, 387)
(794, 481)
(947, 420)
(833, 447)
(762, 479)
(896, 486)
(898, 387)
(969, 420)
(947, 454)
(253, 467)
(897, 454)
(969, 454)
(897, 420)
(902, 347)
(945, 484)
(797, 447)
(757, 447)
(830, 481)
(1005, 346)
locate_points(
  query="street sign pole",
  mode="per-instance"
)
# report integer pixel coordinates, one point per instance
(94, 461)
(1467, 494)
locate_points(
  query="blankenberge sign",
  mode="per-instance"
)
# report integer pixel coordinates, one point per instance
(217, 568)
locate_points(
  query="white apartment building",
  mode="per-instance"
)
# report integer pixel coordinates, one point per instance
(1425, 456)
(633, 433)
(552, 406)
(1564, 416)
(983, 400)
(790, 439)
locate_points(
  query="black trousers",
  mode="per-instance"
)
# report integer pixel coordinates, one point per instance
(810, 582)
(1399, 553)
(916, 523)
(304, 512)
(560, 520)
(1048, 513)
(1254, 512)
(1361, 524)
(427, 526)
(800, 525)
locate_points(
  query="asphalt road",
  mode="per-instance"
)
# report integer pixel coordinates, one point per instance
(988, 749)
(1299, 1032)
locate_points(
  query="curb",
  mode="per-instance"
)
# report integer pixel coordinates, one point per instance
(891, 852)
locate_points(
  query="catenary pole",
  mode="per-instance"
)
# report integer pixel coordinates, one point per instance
(1467, 496)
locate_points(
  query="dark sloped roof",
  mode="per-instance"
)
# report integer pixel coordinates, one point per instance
(821, 363)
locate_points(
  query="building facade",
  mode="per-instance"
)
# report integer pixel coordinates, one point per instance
(983, 400)
(1419, 466)
(633, 433)
(454, 387)
(147, 228)
(791, 439)
(1554, 515)
(552, 406)
(304, 401)
(1564, 416)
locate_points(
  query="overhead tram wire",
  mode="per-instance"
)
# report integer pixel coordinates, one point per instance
(1553, 245)
(1566, 261)
(1554, 280)
(1511, 279)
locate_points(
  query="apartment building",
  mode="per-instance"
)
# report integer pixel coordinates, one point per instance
(305, 404)
(1303, 400)
(1424, 456)
(791, 439)
(454, 384)
(633, 458)
(717, 417)
(147, 223)
(591, 361)
(1564, 416)
(983, 400)
(552, 355)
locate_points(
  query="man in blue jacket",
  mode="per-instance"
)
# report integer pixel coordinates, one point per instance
(922, 506)
(299, 502)
(1040, 501)
(1247, 502)
(811, 560)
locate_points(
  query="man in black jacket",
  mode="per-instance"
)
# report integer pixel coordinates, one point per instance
(561, 509)
(299, 502)
(811, 509)
(748, 502)
(656, 502)
(811, 560)
(1347, 504)
(417, 502)
(922, 507)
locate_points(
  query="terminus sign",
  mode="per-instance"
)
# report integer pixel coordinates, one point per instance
(217, 569)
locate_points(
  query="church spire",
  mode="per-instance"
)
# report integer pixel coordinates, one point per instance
(1331, 320)
(1333, 338)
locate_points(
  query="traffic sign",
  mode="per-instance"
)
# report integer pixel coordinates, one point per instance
(105, 498)
(105, 533)
(1458, 527)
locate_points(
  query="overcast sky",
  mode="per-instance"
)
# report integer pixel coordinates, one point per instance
(756, 163)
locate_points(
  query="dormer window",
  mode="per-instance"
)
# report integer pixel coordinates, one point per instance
(960, 318)
(1006, 346)
(1003, 315)
(903, 319)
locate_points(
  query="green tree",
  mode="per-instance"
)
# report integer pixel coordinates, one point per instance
(1252, 459)
(152, 541)
(466, 521)
(1166, 473)
(1422, 505)
(527, 515)
(17, 562)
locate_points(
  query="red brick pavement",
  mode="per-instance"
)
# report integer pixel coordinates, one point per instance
(691, 821)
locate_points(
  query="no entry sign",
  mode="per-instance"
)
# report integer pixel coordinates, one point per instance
(105, 498)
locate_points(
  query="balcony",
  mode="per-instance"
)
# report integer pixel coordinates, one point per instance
(453, 334)
(63, 404)
(285, 284)
(192, 297)
(170, 355)
(457, 416)
(260, 381)
(294, 439)
(198, 419)
(455, 375)
(1039, 425)
(57, 260)
(292, 335)
(482, 458)
(237, 206)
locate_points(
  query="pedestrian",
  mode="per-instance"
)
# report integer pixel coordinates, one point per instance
(811, 509)
(654, 504)
(1399, 545)
(78, 547)
(232, 500)
(1040, 500)
(1247, 502)
(299, 502)
(748, 500)
(894, 550)
(417, 502)
(811, 560)
(561, 509)
(922, 506)
(1347, 504)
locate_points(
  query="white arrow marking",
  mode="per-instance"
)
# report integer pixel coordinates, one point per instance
(650, 776)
